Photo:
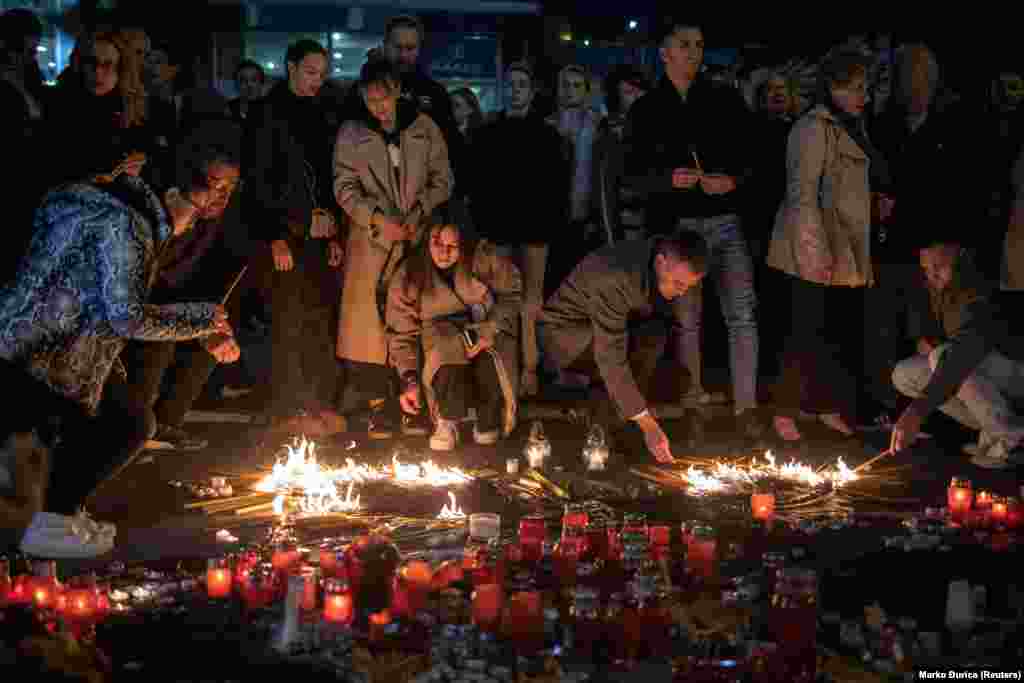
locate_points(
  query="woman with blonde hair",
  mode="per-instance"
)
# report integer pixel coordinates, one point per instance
(98, 123)
(456, 302)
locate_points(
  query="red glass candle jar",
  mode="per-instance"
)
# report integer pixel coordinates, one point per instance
(44, 588)
(21, 590)
(999, 511)
(446, 574)
(332, 560)
(285, 558)
(575, 516)
(418, 577)
(532, 534)
(597, 540)
(218, 578)
(959, 497)
(5, 581)
(379, 623)
(524, 623)
(102, 599)
(80, 604)
(260, 588)
(983, 500)
(400, 607)
(487, 605)
(762, 506)
(614, 542)
(700, 553)
(310, 588)
(353, 562)
(660, 538)
(339, 605)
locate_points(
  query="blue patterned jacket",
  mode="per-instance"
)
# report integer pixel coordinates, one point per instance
(81, 290)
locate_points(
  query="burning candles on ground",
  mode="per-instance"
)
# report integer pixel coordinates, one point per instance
(959, 497)
(285, 558)
(762, 506)
(538, 448)
(218, 579)
(339, 607)
(44, 589)
(983, 500)
(259, 587)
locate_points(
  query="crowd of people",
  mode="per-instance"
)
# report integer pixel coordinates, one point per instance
(417, 263)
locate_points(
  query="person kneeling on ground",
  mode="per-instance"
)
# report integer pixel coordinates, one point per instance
(976, 372)
(461, 300)
(609, 318)
(28, 429)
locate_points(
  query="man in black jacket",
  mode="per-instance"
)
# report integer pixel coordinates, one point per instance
(976, 373)
(289, 173)
(688, 151)
(403, 41)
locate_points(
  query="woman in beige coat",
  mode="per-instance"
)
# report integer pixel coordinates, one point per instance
(457, 301)
(821, 241)
(390, 173)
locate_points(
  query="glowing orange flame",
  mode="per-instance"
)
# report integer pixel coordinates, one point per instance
(453, 512)
(722, 476)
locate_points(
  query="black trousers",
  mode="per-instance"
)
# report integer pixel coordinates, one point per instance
(456, 386)
(304, 308)
(165, 378)
(817, 373)
(94, 450)
(647, 340)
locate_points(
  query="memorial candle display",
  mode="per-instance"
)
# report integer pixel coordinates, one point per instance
(218, 579)
(762, 506)
(339, 607)
(959, 497)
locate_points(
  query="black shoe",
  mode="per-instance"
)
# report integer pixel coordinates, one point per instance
(168, 438)
(415, 425)
(381, 426)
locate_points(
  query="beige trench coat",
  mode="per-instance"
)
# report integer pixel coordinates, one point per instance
(363, 183)
(422, 323)
(825, 218)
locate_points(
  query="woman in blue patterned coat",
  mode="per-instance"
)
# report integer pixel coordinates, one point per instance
(81, 293)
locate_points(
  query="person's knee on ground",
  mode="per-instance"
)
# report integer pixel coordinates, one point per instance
(907, 377)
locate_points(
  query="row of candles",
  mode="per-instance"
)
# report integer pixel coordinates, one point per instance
(81, 602)
(969, 508)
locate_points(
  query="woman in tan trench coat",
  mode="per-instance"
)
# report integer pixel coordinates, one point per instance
(821, 241)
(457, 302)
(390, 172)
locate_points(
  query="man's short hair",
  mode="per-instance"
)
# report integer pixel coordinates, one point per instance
(521, 67)
(379, 71)
(686, 246)
(667, 28)
(301, 49)
(249, 64)
(18, 24)
(403, 21)
(199, 153)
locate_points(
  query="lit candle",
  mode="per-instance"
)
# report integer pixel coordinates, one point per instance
(1000, 509)
(44, 590)
(258, 589)
(379, 622)
(338, 605)
(329, 560)
(448, 573)
(959, 497)
(762, 506)
(218, 579)
(487, 603)
(983, 500)
(80, 604)
(1013, 513)
(310, 588)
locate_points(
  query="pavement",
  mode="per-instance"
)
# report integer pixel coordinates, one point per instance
(154, 525)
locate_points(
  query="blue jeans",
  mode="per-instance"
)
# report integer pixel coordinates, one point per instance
(730, 265)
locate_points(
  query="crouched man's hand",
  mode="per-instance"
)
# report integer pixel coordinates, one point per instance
(222, 347)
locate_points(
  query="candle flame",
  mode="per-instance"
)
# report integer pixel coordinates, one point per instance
(316, 489)
(453, 512)
(722, 477)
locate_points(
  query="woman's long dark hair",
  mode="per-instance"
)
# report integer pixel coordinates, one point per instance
(476, 119)
(420, 267)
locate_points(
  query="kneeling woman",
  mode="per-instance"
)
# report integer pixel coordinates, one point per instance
(461, 301)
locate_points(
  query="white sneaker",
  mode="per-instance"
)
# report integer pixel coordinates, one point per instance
(997, 457)
(58, 537)
(488, 438)
(445, 436)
